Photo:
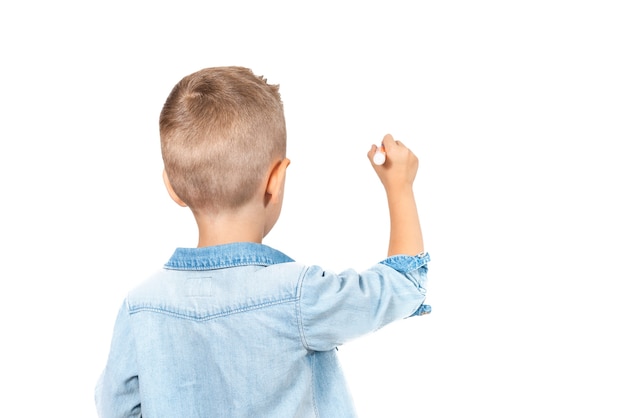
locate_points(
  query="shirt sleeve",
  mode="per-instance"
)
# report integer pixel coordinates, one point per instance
(404, 264)
(335, 308)
(117, 389)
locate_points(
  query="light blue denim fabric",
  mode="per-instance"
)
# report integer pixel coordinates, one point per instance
(241, 330)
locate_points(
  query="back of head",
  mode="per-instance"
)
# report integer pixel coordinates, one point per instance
(221, 128)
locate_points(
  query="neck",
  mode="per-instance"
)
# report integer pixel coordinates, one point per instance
(242, 225)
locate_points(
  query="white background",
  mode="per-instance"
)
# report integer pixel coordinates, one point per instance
(516, 110)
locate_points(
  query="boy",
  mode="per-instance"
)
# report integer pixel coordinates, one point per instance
(234, 328)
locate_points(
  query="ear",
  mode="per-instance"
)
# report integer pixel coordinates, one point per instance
(276, 181)
(171, 191)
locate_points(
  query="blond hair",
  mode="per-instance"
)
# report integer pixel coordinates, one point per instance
(221, 128)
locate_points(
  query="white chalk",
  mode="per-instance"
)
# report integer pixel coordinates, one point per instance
(379, 156)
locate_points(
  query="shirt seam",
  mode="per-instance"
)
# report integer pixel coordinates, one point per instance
(303, 339)
(209, 317)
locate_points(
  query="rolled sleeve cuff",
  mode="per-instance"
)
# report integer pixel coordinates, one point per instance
(422, 310)
(407, 263)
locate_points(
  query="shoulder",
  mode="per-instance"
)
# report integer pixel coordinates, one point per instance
(161, 282)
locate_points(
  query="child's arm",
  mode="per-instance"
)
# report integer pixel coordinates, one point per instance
(397, 175)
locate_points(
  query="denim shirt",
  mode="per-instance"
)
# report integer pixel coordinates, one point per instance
(241, 330)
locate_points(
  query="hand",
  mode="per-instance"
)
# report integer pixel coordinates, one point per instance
(400, 167)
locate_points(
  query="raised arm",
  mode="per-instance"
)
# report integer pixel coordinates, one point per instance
(397, 175)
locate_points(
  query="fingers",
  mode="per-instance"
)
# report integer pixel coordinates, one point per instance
(388, 141)
(388, 146)
(377, 154)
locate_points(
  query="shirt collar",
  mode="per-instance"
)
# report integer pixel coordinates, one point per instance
(224, 256)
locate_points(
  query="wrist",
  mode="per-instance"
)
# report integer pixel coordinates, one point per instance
(401, 191)
(401, 185)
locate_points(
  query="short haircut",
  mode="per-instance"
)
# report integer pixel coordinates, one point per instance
(221, 128)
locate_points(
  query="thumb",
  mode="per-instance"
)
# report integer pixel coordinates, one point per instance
(371, 152)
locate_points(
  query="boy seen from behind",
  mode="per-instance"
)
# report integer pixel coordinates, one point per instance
(234, 328)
